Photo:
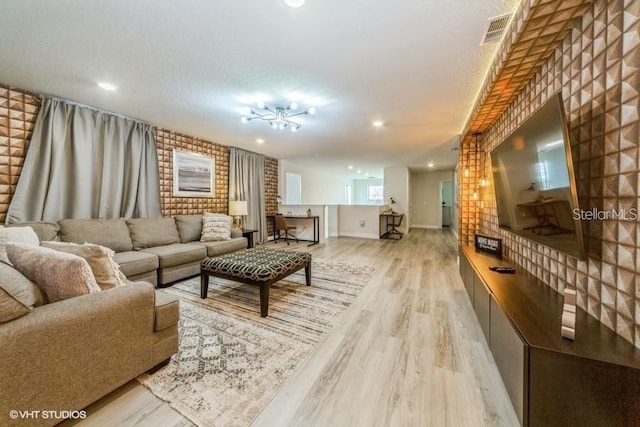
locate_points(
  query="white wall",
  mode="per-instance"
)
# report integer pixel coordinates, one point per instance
(359, 221)
(396, 185)
(426, 205)
(318, 187)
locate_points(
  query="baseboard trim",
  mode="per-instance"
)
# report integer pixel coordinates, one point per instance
(434, 227)
(361, 235)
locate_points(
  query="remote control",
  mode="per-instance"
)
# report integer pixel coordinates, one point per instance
(502, 269)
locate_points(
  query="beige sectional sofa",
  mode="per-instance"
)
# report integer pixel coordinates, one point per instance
(64, 355)
(156, 250)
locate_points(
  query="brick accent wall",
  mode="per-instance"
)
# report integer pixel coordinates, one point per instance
(271, 189)
(167, 141)
(18, 111)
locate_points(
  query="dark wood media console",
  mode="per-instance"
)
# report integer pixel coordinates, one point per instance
(552, 381)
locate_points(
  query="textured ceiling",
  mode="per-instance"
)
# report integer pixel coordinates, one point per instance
(191, 66)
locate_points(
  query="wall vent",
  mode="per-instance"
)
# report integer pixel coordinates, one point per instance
(495, 29)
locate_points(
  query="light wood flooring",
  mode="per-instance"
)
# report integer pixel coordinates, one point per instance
(408, 352)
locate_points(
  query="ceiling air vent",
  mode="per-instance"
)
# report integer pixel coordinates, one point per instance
(495, 29)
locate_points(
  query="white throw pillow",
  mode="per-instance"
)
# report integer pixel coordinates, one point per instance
(58, 274)
(215, 227)
(16, 235)
(100, 259)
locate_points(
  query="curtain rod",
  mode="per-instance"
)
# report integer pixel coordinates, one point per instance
(247, 151)
(79, 104)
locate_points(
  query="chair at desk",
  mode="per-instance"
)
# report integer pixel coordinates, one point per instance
(391, 222)
(281, 225)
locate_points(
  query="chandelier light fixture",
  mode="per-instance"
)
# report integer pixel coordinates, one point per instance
(277, 117)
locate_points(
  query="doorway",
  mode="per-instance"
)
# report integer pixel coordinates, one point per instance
(446, 197)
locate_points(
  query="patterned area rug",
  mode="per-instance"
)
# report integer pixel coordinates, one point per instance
(232, 362)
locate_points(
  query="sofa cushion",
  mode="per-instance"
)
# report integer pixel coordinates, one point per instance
(18, 295)
(167, 311)
(58, 274)
(215, 227)
(224, 246)
(150, 232)
(112, 233)
(100, 259)
(189, 227)
(177, 253)
(16, 235)
(132, 263)
(45, 230)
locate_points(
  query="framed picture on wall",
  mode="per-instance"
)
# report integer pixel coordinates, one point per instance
(193, 175)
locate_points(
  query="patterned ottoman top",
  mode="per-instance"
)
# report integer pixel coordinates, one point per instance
(259, 264)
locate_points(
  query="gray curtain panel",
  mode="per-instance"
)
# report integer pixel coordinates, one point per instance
(84, 163)
(246, 182)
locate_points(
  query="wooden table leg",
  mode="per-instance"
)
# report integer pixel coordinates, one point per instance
(264, 299)
(204, 284)
(307, 273)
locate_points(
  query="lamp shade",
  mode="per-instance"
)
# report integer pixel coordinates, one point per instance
(237, 207)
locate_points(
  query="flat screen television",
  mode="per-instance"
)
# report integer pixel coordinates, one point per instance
(535, 184)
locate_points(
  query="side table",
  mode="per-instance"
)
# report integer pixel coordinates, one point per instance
(249, 235)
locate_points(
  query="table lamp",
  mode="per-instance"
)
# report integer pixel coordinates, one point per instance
(237, 209)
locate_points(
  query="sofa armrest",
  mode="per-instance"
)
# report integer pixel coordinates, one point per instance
(66, 355)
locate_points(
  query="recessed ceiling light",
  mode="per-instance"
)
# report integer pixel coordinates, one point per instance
(430, 164)
(377, 123)
(350, 166)
(107, 86)
(294, 3)
(358, 171)
(260, 141)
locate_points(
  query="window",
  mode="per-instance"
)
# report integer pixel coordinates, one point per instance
(293, 189)
(347, 194)
(375, 194)
(543, 175)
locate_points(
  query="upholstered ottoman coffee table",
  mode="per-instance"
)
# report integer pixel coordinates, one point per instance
(256, 266)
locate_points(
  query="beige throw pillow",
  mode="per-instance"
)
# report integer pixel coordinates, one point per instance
(18, 295)
(58, 274)
(17, 235)
(215, 227)
(100, 259)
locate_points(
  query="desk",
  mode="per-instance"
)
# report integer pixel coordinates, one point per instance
(390, 222)
(316, 227)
